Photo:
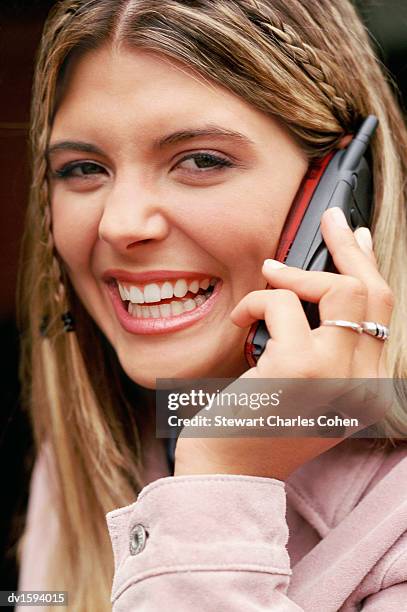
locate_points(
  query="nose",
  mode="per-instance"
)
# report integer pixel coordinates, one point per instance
(132, 215)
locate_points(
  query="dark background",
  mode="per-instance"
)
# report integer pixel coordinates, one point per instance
(20, 28)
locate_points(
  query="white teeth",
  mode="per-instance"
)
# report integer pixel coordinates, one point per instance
(165, 310)
(125, 291)
(166, 291)
(176, 308)
(189, 304)
(122, 292)
(180, 288)
(194, 286)
(199, 300)
(152, 293)
(136, 296)
(155, 311)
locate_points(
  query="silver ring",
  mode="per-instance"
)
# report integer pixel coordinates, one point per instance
(378, 330)
(339, 323)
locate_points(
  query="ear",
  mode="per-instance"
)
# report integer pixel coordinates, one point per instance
(345, 141)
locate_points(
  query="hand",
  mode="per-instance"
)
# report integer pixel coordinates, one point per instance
(357, 293)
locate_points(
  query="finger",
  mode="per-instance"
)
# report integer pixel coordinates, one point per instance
(311, 285)
(342, 244)
(338, 297)
(364, 239)
(281, 310)
(350, 258)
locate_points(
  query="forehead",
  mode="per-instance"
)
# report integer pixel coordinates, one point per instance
(133, 87)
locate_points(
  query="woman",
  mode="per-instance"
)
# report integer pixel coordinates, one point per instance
(169, 140)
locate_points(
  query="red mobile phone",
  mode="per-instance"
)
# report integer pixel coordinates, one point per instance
(342, 178)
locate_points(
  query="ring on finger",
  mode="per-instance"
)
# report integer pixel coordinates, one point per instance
(378, 330)
(340, 323)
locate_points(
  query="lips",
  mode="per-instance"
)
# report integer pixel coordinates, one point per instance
(155, 323)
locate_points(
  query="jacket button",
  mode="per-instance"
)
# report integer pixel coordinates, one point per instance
(138, 537)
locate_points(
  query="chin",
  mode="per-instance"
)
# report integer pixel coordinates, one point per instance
(145, 374)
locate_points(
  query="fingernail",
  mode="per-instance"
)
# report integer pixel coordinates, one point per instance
(274, 264)
(364, 238)
(338, 217)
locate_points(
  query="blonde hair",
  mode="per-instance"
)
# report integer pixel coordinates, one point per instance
(307, 63)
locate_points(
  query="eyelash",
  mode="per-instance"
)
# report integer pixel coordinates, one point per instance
(66, 171)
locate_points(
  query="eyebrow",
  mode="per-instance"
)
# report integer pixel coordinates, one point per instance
(210, 130)
(159, 143)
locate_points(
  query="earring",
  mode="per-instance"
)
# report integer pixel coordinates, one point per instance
(68, 321)
(66, 318)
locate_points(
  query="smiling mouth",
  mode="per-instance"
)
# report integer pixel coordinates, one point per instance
(165, 300)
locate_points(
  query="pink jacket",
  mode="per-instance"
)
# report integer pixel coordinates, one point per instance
(332, 538)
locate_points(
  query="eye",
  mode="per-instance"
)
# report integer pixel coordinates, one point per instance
(204, 161)
(82, 169)
(198, 163)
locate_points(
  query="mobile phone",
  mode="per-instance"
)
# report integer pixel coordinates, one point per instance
(342, 178)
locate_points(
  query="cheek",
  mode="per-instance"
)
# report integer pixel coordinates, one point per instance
(75, 233)
(240, 228)
(269, 204)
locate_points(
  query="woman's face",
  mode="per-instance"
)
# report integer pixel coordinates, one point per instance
(161, 182)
